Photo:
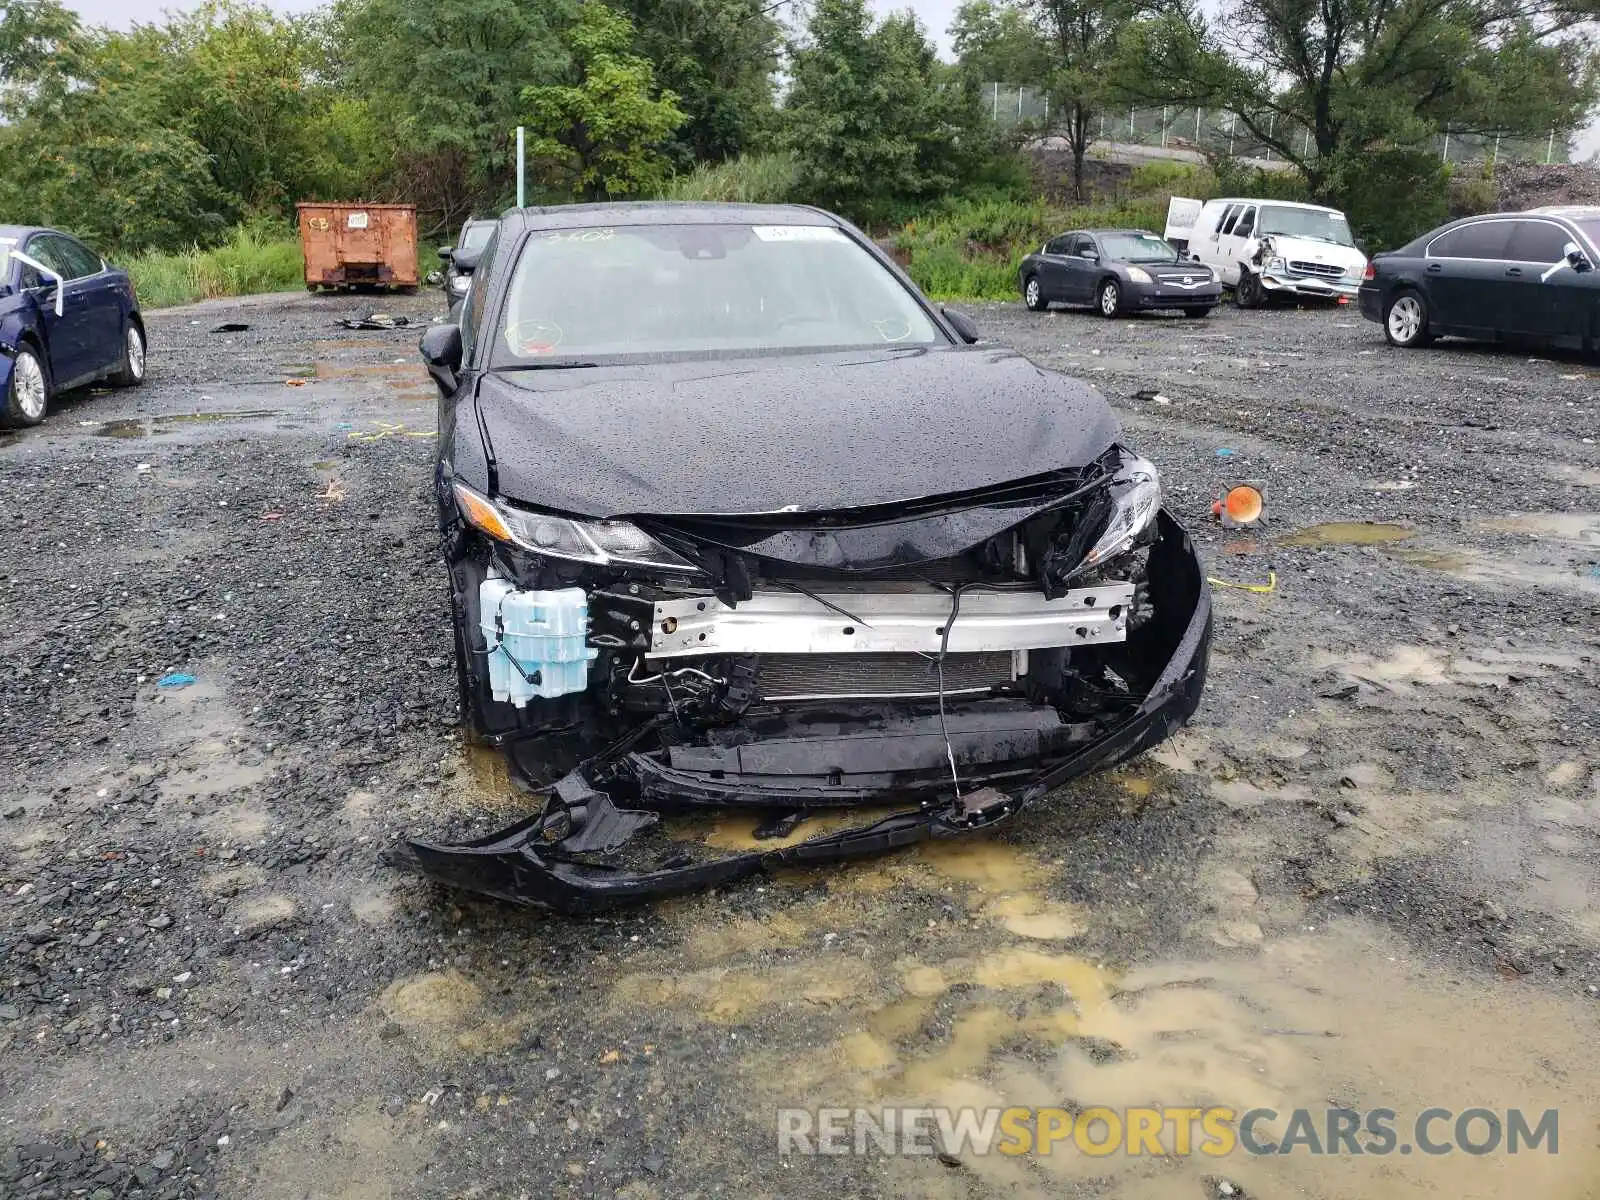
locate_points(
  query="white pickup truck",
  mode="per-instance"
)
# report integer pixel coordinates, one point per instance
(1267, 248)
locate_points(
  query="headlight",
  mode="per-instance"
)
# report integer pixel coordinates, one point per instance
(1275, 264)
(458, 283)
(1136, 497)
(604, 543)
(1138, 275)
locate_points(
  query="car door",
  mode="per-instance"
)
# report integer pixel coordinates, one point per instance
(1241, 241)
(1218, 246)
(99, 289)
(1463, 273)
(1083, 268)
(1053, 268)
(1541, 296)
(66, 334)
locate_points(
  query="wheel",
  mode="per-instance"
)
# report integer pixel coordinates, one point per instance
(1248, 293)
(1109, 298)
(1198, 312)
(1405, 321)
(131, 372)
(27, 396)
(1033, 295)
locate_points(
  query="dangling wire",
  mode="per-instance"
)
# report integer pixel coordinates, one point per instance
(944, 646)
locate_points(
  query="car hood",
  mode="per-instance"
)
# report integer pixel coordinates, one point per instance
(1312, 250)
(789, 434)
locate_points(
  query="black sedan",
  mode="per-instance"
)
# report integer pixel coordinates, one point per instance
(1518, 277)
(774, 537)
(460, 258)
(67, 319)
(1117, 271)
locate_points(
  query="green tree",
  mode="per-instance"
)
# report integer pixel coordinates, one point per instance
(874, 123)
(41, 52)
(237, 79)
(999, 42)
(445, 79)
(719, 57)
(601, 133)
(1085, 37)
(1351, 90)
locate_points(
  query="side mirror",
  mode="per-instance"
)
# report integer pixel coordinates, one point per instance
(966, 328)
(445, 252)
(1576, 258)
(441, 351)
(467, 260)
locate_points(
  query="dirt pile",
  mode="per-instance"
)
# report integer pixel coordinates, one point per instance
(1521, 185)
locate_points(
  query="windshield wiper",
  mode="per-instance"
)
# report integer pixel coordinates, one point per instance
(568, 365)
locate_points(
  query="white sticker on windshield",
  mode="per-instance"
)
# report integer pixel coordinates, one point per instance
(798, 233)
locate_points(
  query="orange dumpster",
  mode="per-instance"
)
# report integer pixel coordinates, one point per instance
(346, 245)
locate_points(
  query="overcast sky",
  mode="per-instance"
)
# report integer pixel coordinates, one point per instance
(936, 15)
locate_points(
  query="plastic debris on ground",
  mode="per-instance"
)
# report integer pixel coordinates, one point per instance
(175, 680)
(375, 321)
(1261, 588)
(231, 327)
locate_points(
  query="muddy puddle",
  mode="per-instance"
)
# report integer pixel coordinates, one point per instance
(1349, 533)
(1566, 575)
(1581, 527)
(140, 427)
(1000, 1007)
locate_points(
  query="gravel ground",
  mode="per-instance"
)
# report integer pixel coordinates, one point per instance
(1365, 875)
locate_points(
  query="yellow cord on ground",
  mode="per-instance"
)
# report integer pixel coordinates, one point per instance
(1270, 585)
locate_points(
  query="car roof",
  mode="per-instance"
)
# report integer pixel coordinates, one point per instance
(1274, 203)
(1130, 232)
(1573, 212)
(18, 232)
(665, 212)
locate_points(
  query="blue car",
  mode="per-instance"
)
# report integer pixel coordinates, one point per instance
(67, 319)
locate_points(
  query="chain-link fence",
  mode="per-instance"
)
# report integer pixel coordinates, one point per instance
(1203, 131)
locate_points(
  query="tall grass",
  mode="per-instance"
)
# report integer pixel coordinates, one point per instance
(972, 250)
(749, 179)
(255, 258)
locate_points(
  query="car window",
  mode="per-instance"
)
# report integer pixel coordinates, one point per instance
(45, 249)
(1247, 223)
(474, 236)
(1137, 248)
(1057, 245)
(1537, 242)
(80, 260)
(1485, 239)
(1318, 224)
(1229, 216)
(1080, 243)
(477, 295)
(701, 289)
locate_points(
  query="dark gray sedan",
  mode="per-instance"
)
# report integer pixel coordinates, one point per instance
(1117, 271)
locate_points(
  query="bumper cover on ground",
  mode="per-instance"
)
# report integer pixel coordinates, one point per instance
(1009, 755)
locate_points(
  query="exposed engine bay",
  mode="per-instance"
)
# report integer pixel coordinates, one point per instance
(954, 656)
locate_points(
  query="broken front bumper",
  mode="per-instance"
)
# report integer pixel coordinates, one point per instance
(1288, 284)
(780, 764)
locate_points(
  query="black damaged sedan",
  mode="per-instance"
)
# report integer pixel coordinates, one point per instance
(1117, 271)
(736, 521)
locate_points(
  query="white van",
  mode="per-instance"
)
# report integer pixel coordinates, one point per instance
(1266, 248)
